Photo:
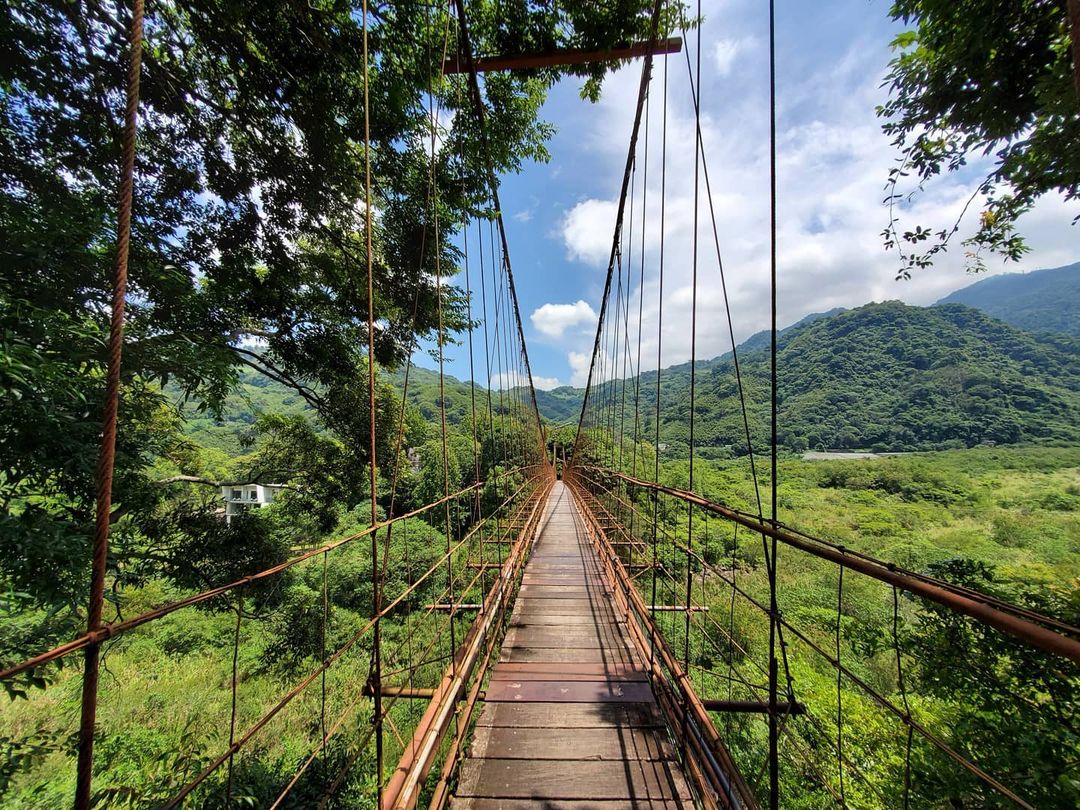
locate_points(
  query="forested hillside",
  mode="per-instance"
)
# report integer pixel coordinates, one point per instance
(887, 376)
(899, 377)
(1043, 301)
(884, 376)
(562, 404)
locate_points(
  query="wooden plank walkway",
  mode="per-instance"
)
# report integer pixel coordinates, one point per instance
(570, 719)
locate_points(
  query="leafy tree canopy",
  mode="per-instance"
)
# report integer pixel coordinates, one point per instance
(976, 78)
(248, 244)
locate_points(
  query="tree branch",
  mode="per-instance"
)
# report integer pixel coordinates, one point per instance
(149, 60)
(258, 362)
(260, 478)
(1074, 33)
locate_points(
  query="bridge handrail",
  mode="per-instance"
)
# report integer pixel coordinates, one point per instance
(1021, 623)
(671, 678)
(903, 714)
(326, 664)
(115, 629)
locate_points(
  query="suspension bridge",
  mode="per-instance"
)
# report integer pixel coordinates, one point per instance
(581, 640)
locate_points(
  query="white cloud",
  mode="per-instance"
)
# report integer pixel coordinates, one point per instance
(606, 368)
(587, 230)
(726, 51)
(833, 160)
(579, 368)
(554, 319)
(524, 215)
(545, 383)
(503, 380)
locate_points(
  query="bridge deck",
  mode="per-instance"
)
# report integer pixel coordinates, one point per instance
(570, 718)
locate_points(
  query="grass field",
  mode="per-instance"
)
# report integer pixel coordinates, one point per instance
(166, 702)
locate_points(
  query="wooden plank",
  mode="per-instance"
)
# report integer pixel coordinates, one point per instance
(608, 743)
(544, 603)
(522, 654)
(562, 619)
(627, 780)
(554, 617)
(526, 634)
(568, 672)
(547, 569)
(560, 591)
(528, 804)
(570, 715)
(578, 637)
(577, 582)
(569, 692)
(597, 616)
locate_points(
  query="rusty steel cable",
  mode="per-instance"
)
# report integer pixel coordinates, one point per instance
(943, 593)
(839, 690)
(109, 631)
(693, 350)
(233, 685)
(409, 777)
(903, 693)
(751, 520)
(327, 734)
(646, 73)
(707, 619)
(237, 744)
(107, 458)
(659, 341)
(400, 434)
(989, 599)
(973, 604)
(900, 713)
(478, 105)
(704, 742)
(741, 517)
(772, 549)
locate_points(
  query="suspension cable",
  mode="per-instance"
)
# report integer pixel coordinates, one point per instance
(646, 75)
(107, 458)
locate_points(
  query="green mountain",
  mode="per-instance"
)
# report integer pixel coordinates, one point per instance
(563, 404)
(884, 376)
(763, 339)
(259, 394)
(560, 405)
(1043, 301)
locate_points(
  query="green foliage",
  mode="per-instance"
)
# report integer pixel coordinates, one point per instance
(886, 377)
(982, 77)
(247, 244)
(971, 517)
(1016, 707)
(1043, 301)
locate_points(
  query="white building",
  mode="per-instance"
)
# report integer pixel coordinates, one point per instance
(240, 497)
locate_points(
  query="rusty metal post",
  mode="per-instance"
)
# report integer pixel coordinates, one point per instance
(107, 458)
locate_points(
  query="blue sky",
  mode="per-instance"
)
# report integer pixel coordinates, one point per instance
(833, 161)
